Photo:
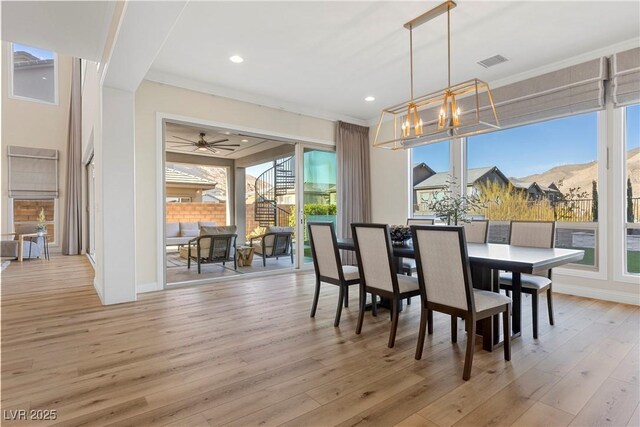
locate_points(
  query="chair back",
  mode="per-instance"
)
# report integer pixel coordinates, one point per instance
(324, 250)
(476, 231)
(534, 234)
(420, 221)
(443, 266)
(277, 240)
(375, 256)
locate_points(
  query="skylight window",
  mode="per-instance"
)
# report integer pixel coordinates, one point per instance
(34, 74)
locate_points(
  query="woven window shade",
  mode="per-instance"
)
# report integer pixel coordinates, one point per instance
(33, 173)
(625, 77)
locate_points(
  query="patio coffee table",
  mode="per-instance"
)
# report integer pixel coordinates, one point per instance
(244, 255)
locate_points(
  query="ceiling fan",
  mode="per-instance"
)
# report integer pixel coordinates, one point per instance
(204, 145)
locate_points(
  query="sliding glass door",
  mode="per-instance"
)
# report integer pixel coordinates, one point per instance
(319, 173)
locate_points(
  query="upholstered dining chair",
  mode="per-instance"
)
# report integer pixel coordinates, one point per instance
(535, 234)
(444, 277)
(328, 266)
(409, 265)
(476, 231)
(378, 272)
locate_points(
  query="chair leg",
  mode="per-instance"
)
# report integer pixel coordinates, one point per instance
(468, 358)
(422, 333)
(454, 329)
(264, 261)
(339, 309)
(550, 305)
(363, 303)
(430, 321)
(314, 305)
(346, 296)
(409, 301)
(374, 305)
(507, 293)
(506, 331)
(395, 311)
(534, 313)
(199, 271)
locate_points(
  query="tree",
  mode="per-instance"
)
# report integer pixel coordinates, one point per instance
(630, 216)
(594, 201)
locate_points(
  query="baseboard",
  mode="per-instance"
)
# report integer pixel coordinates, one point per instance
(98, 291)
(148, 287)
(607, 295)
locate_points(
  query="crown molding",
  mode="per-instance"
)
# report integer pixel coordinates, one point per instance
(224, 92)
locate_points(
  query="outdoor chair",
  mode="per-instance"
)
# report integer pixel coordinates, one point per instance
(378, 272)
(444, 277)
(214, 245)
(275, 243)
(535, 234)
(328, 266)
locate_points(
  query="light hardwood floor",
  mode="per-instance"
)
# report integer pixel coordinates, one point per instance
(247, 353)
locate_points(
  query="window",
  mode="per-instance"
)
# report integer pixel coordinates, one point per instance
(545, 171)
(26, 216)
(632, 188)
(34, 74)
(430, 172)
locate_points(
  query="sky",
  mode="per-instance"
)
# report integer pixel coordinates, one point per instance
(40, 53)
(532, 149)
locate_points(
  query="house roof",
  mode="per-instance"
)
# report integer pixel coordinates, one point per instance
(440, 179)
(174, 176)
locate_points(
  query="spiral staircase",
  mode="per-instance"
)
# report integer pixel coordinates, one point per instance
(272, 183)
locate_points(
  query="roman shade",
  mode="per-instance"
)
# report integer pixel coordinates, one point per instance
(33, 172)
(625, 77)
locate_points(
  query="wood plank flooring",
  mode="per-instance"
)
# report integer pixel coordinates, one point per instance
(246, 353)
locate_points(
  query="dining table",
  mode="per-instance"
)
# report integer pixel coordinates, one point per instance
(486, 261)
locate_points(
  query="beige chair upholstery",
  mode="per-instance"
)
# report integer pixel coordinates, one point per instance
(476, 231)
(378, 272)
(534, 234)
(328, 267)
(409, 265)
(445, 286)
(420, 221)
(274, 243)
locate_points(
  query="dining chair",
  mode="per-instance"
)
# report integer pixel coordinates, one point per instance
(535, 234)
(476, 231)
(328, 266)
(409, 265)
(378, 272)
(444, 277)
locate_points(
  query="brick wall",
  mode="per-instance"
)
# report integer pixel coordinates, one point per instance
(28, 210)
(193, 212)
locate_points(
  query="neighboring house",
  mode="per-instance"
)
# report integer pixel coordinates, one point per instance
(32, 77)
(184, 187)
(423, 191)
(537, 191)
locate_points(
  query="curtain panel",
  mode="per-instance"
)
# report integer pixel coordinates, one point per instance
(72, 227)
(625, 77)
(33, 172)
(354, 183)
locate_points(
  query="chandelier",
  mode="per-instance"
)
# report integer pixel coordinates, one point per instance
(457, 111)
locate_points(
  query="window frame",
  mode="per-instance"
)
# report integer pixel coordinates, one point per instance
(26, 98)
(56, 218)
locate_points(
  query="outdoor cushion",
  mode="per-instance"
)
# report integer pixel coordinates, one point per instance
(215, 231)
(189, 229)
(172, 229)
(268, 241)
(207, 224)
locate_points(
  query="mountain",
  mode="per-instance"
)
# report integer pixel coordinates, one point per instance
(582, 174)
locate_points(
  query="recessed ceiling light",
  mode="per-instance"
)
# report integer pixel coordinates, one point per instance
(369, 99)
(244, 140)
(236, 59)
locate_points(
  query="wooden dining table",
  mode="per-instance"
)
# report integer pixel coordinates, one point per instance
(486, 260)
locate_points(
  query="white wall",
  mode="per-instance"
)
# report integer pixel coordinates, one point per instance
(153, 98)
(35, 124)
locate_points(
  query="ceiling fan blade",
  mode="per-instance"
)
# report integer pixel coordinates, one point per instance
(216, 142)
(225, 145)
(212, 150)
(180, 143)
(184, 139)
(222, 148)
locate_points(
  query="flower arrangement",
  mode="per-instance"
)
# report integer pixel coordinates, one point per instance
(42, 226)
(400, 234)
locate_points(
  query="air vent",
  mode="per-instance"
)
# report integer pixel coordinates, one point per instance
(494, 60)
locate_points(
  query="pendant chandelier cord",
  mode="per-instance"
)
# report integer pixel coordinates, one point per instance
(448, 46)
(411, 58)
